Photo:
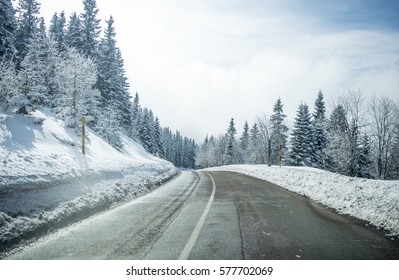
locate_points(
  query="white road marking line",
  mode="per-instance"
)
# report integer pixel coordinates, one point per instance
(193, 238)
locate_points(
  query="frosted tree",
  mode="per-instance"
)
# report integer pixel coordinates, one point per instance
(158, 151)
(8, 27)
(393, 171)
(301, 140)
(319, 131)
(278, 131)
(28, 25)
(77, 75)
(264, 125)
(8, 85)
(255, 150)
(338, 141)
(90, 28)
(33, 74)
(382, 112)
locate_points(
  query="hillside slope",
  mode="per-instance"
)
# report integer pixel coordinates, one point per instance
(45, 180)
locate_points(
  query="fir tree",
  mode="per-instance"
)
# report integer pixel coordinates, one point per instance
(300, 154)
(8, 27)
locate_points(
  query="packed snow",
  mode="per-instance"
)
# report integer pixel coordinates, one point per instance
(375, 201)
(46, 181)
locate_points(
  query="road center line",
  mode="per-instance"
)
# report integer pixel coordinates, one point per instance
(193, 238)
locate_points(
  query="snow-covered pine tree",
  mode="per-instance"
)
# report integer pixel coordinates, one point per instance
(57, 31)
(28, 25)
(33, 73)
(231, 143)
(178, 149)
(244, 142)
(338, 146)
(301, 150)
(158, 139)
(278, 133)
(90, 28)
(111, 81)
(145, 132)
(319, 132)
(125, 103)
(255, 150)
(8, 27)
(73, 36)
(136, 113)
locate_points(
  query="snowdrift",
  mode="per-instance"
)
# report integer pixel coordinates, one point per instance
(374, 201)
(46, 182)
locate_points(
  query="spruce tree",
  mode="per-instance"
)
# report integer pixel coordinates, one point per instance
(57, 31)
(33, 72)
(145, 132)
(8, 27)
(73, 36)
(319, 132)
(28, 25)
(255, 154)
(231, 143)
(301, 150)
(90, 28)
(278, 134)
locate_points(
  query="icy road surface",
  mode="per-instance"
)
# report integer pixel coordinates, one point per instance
(215, 215)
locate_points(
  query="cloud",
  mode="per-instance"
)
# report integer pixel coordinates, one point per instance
(196, 64)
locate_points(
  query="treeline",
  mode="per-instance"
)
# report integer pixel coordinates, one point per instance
(72, 70)
(359, 138)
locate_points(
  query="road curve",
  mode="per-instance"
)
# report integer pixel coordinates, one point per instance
(215, 215)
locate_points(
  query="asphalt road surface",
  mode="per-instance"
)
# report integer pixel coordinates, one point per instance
(215, 215)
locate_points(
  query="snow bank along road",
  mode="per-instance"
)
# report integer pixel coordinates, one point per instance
(215, 215)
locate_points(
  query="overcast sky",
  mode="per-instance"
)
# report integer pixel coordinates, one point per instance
(197, 63)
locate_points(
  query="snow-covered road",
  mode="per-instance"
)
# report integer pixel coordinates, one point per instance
(215, 215)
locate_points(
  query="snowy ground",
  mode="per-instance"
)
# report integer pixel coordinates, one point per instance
(372, 200)
(45, 180)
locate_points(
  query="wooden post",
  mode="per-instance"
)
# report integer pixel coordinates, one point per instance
(83, 134)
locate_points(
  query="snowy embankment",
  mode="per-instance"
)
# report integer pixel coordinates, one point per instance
(46, 182)
(375, 201)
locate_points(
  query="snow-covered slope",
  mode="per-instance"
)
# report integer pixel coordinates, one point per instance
(375, 201)
(45, 180)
